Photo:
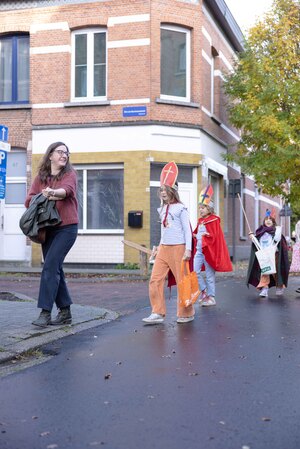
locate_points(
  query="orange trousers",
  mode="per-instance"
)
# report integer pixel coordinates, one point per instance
(169, 257)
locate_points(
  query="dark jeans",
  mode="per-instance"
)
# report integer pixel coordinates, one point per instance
(53, 287)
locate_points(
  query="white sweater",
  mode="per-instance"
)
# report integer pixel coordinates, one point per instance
(178, 230)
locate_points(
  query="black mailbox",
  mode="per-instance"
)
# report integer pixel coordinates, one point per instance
(135, 218)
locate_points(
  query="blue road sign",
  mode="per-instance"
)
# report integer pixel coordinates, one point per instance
(3, 159)
(135, 111)
(3, 133)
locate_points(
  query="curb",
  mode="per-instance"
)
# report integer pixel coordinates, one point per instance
(28, 338)
(41, 338)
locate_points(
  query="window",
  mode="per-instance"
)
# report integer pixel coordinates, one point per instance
(14, 69)
(89, 65)
(175, 63)
(101, 198)
(16, 177)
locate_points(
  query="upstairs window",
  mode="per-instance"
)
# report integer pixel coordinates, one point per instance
(175, 62)
(14, 69)
(89, 65)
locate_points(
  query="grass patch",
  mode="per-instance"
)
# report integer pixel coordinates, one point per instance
(127, 266)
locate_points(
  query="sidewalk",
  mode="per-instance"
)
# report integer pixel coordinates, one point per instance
(19, 336)
(89, 288)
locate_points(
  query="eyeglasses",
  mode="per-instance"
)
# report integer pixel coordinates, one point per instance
(62, 153)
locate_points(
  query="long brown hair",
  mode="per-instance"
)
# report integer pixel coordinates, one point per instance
(172, 194)
(45, 164)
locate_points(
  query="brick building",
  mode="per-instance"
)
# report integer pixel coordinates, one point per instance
(128, 86)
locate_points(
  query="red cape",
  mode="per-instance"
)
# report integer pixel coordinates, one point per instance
(214, 246)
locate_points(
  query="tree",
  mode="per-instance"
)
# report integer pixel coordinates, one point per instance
(264, 94)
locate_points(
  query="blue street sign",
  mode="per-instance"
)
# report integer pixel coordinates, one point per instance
(3, 159)
(134, 111)
(3, 133)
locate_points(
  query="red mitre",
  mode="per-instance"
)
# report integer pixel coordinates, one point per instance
(169, 174)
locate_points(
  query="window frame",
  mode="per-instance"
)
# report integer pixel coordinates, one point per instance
(187, 32)
(89, 32)
(214, 180)
(14, 69)
(85, 168)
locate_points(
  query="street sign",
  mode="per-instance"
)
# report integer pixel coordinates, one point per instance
(134, 111)
(3, 159)
(4, 146)
(3, 133)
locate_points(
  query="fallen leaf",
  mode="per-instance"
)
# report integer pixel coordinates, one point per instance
(194, 374)
(266, 418)
(43, 434)
(107, 376)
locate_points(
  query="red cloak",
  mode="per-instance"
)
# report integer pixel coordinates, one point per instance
(214, 246)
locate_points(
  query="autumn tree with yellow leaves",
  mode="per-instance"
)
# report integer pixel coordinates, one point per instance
(264, 94)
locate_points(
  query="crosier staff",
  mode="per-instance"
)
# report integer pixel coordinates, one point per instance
(251, 234)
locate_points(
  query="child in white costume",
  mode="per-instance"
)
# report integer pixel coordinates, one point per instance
(175, 245)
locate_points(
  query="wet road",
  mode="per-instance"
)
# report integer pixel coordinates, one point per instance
(122, 297)
(228, 380)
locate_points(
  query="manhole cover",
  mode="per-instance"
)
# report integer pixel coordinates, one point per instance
(7, 296)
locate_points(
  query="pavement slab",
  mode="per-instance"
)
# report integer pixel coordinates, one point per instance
(18, 335)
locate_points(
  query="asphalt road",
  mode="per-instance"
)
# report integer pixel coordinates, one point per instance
(228, 380)
(123, 297)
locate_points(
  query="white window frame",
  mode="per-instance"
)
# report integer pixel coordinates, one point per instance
(242, 218)
(90, 32)
(212, 90)
(187, 32)
(216, 186)
(85, 167)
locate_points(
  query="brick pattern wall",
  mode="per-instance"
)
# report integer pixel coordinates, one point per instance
(133, 73)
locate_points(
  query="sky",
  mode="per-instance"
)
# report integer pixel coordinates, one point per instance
(246, 12)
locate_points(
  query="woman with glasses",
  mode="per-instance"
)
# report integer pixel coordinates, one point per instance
(56, 180)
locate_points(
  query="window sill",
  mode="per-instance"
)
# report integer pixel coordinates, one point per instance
(15, 106)
(216, 119)
(243, 239)
(99, 232)
(77, 104)
(178, 103)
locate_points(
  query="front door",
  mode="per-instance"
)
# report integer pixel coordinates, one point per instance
(12, 241)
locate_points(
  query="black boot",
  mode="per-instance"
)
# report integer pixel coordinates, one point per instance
(63, 317)
(43, 320)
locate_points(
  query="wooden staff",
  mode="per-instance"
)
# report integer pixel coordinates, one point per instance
(250, 232)
(254, 239)
(134, 245)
